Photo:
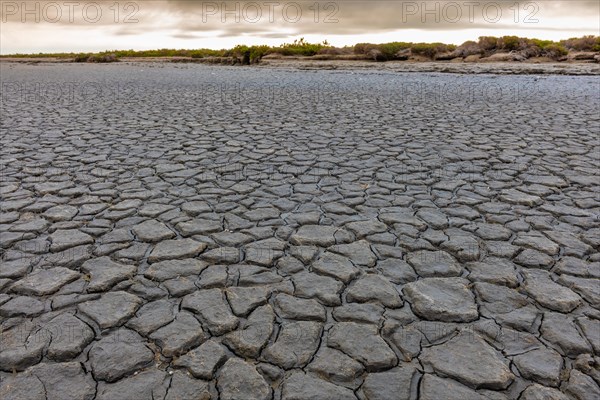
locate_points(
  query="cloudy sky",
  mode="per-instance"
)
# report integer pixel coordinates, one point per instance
(47, 26)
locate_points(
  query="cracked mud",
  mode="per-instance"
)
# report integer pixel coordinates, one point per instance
(197, 232)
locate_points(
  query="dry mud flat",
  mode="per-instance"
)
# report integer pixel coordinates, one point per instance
(196, 232)
(501, 68)
(305, 63)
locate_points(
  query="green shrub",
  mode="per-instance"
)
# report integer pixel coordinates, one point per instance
(487, 43)
(585, 43)
(508, 43)
(247, 54)
(431, 49)
(258, 52)
(555, 51)
(80, 58)
(542, 44)
(103, 58)
(300, 48)
(389, 50)
(364, 48)
(468, 48)
(336, 51)
(380, 52)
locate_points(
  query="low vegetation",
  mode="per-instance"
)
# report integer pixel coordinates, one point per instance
(518, 48)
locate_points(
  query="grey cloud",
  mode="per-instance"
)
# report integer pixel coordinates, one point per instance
(273, 35)
(129, 31)
(185, 36)
(183, 19)
(356, 17)
(353, 16)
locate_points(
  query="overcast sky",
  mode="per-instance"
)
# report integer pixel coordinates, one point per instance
(46, 26)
